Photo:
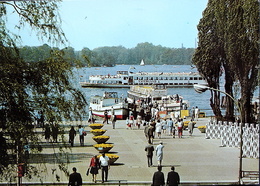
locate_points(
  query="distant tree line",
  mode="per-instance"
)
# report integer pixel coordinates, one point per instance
(110, 56)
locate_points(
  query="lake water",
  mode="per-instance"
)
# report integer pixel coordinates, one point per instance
(194, 98)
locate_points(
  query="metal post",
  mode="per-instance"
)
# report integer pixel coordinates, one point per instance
(202, 88)
(241, 134)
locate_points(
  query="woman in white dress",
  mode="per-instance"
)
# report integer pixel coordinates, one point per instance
(159, 153)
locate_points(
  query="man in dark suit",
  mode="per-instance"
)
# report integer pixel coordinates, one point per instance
(149, 152)
(75, 178)
(173, 178)
(158, 177)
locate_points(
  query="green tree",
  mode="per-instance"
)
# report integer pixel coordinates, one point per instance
(229, 40)
(242, 49)
(27, 88)
(207, 57)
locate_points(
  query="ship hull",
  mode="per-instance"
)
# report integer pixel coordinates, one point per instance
(121, 113)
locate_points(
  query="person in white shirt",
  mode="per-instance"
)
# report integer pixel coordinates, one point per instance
(180, 127)
(81, 135)
(104, 163)
(197, 110)
(158, 128)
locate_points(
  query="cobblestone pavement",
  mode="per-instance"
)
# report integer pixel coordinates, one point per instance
(196, 159)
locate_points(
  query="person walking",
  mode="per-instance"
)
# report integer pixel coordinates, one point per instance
(47, 133)
(81, 135)
(94, 166)
(170, 126)
(159, 153)
(55, 131)
(197, 110)
(158, 177)
(113, 120)
(104, 163)
(90, 115)
(75, 178)
(112, 111)
(190, 127)
(149, 153)
(131, 122)
(173, 178)
(164, 125)
(158, 128)
(146, 128)
(72, 134)
(105, 117)
(139, 121)
(127, 122)
(150, 134)
(180, 127)
(193, 113)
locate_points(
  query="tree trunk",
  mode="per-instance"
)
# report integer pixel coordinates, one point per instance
(245, 104)
(215, 104)
(229, 102)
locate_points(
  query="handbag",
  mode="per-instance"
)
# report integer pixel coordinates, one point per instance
(87, 173)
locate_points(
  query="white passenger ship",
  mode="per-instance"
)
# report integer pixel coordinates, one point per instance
(126, 79)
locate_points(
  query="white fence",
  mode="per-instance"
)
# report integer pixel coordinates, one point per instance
(229, 134)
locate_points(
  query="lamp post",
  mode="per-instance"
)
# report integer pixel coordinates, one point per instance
(202, 88)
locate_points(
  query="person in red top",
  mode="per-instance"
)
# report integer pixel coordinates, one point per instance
(94, 166)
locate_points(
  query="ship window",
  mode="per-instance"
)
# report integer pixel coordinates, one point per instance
(165, 78)
(195, 78)
(191, 78)
(175, 78)
(151, 78)
(186, 78)
(141, 78)
(145, 78)
(181, 78)
(156, 78)
(161, 78)
(171, 78)
(200, 78)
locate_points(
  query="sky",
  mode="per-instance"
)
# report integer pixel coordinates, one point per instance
(98, 23)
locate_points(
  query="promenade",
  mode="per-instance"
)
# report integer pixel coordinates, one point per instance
(196, 159)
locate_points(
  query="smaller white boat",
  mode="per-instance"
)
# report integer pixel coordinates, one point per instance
(111, 103)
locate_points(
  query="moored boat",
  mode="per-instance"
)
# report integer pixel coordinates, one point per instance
(127, 78)
(111, 103)
(157, 96)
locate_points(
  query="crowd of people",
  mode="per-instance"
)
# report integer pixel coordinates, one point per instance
(154, 127)
(96, 163)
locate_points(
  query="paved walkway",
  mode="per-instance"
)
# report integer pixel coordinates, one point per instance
(196, 159)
